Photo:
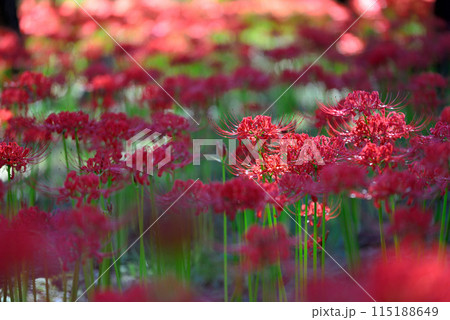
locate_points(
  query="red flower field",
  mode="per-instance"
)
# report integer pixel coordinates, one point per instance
(207, 150)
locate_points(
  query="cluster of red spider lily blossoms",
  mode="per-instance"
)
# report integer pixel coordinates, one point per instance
(303, 192)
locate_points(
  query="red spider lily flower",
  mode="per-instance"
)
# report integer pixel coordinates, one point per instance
(163, 290)
(237, 195)
(166, 158)
(106, 164)
(412, 276)
(402, 183)
(30, 87)
(356, 103)
(74, 124)
(412, 224)
(81, 186)
(38, 86)
(265, 246)
(14, 157)
(441, 130)
(28, 130)
(322, 118)
(376, 157)
(81, 233)
(18, 158)
(343, 177)
(311, 154)
(379, 128)
(111, 130)
(15, 96)
(268, 166)
(254, 129)
(315, 208)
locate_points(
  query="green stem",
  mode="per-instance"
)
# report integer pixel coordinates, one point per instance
(225, 258)
(315, 243)
(66, 155)
(322, 257)
(77, 143)
(346, 234)
(142, 259)
(225, 253)
(305, 244)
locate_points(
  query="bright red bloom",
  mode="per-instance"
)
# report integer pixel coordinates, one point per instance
(311, 154)
(379, 128)
(375, 156)
(112, 129)
(106, 164)
(14, 156)
(356, 103)
(254, 129)
(68, 123)
(81, 186)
